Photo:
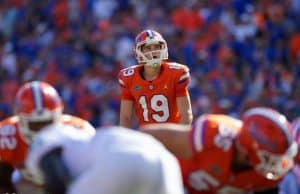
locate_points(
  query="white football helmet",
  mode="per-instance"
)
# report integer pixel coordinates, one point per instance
(151, 58)
(37, 101)
(266, 136)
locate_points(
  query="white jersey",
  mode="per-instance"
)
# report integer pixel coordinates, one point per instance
(114, 161)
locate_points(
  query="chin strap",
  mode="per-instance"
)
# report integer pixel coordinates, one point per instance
(153, 63)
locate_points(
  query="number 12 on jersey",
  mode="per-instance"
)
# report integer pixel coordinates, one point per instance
(159, 104)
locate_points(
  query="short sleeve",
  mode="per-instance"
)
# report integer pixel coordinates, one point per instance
(124, 87)
(197, 134)
(182, 83)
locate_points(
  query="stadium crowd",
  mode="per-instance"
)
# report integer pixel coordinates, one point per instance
(241, 53)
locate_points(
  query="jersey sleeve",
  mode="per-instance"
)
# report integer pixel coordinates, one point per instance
(203, 134)
(124, 83)
(214, 132)
(197, 135)
(182, 82)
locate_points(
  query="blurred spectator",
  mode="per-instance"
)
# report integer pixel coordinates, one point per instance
(241, 53)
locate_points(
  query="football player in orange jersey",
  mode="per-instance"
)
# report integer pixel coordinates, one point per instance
(155, 88)
(37, 104)
(221, 154)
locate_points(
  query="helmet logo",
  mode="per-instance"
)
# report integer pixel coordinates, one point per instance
(256, 134)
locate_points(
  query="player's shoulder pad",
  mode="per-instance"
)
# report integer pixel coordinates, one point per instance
(177, 67)
(180, 71)
(204, 132)
(10, 120)
(219, 131)
(78, 123)
(8, 126)
(126, 74)
(129, 71)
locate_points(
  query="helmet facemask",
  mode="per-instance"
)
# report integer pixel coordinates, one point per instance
(32, 123)
(155, 56)
(275, 166)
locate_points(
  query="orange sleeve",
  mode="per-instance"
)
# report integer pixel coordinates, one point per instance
(198, 134)
(182, 83)
(204, 133)
(124, 87)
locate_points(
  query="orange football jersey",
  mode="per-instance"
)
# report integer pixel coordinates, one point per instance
(155, 101)
(13, 146)
(211, 170)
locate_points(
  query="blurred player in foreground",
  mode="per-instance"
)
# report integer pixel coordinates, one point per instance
(155, 88)
(37, 104)
(221, 154)
(291, 182)
(115, 161)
